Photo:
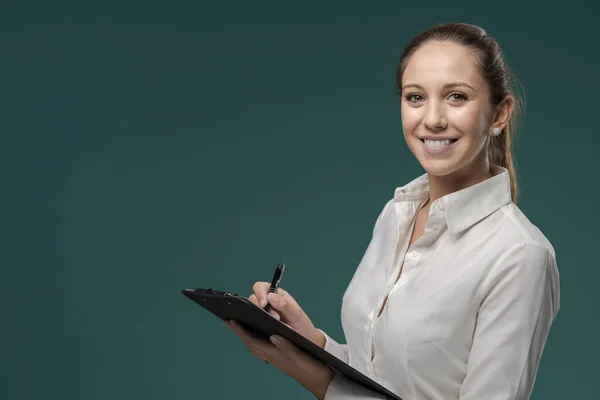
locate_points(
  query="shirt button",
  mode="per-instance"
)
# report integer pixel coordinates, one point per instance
(414, 254)
(441, 205)
(434, 226)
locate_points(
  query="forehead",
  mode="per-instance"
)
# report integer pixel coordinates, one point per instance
(438, 63)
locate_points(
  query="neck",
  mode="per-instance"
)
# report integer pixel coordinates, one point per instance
(470, 175)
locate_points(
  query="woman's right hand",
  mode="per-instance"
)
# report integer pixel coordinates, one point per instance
(285, 309)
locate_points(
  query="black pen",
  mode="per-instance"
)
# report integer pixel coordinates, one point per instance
(275, 282)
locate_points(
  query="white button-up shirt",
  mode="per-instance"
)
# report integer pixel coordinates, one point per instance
(470, 314)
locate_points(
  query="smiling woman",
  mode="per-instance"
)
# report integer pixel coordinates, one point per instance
(457, 290)
(455, 91)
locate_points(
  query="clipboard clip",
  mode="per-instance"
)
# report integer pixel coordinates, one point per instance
(212, 292)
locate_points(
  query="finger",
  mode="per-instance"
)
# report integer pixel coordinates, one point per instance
(299, 357)
(271, 312)
(275, 314)
(260, 290)
(268, 351)
(261, 348)
(284, 294)
(253, 299)
(257, 346)
(287, 325)
(285, 304)
(265, 349)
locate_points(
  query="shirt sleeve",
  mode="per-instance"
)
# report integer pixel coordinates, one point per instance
(333, 347)
(518, 303)
(341, 388)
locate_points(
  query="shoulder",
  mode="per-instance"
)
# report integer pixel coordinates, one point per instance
(382, 213)
(526, 234)
(526, 259)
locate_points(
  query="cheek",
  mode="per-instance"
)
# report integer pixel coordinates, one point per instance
(471, 120)
(410, 118)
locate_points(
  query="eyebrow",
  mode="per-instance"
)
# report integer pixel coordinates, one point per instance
(446, 86)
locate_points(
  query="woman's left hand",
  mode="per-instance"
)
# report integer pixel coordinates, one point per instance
(284, 355)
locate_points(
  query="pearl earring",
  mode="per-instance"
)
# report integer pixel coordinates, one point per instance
(496, 131)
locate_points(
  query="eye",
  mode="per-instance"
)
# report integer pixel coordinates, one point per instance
(414, 98)
(458, 97)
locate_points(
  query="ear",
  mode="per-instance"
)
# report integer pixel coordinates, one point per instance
(503, 112)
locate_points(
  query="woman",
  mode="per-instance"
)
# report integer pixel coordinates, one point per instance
(456, 293)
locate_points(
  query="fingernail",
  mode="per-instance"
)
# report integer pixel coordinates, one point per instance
(275, 339)
(263, 302)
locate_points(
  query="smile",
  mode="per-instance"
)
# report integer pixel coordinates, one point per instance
(436, 147)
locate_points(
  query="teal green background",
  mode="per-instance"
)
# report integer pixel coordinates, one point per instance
(147, 147)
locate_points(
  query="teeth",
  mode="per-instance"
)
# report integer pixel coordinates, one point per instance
(437, 143)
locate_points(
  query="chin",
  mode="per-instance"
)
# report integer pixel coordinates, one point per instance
(439, 167)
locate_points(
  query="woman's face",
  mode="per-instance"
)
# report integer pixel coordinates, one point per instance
(446, 110)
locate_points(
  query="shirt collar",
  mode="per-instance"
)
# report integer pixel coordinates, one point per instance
(465, 207)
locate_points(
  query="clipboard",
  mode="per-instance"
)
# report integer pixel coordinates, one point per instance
(230, 306)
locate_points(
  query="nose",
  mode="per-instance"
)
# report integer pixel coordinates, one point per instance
(435, 119)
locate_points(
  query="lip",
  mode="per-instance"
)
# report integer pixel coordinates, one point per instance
(438, 138)
(435, 152)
